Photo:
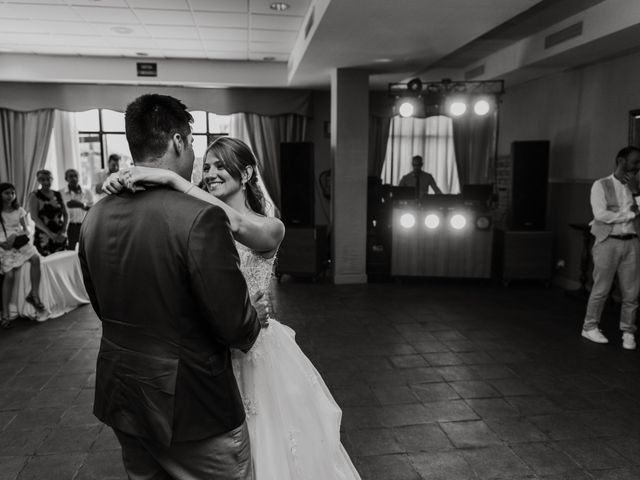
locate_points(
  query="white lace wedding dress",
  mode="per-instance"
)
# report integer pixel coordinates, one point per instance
(294, 423)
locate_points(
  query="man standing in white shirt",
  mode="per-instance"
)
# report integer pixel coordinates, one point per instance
(617, 248)
(78, 200)
(113, 166)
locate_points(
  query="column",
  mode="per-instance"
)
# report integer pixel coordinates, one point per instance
(349, 157)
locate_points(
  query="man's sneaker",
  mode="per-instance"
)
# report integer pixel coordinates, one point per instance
(594, 335)
(628, 341)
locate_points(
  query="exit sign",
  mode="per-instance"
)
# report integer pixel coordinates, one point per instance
(147, 69)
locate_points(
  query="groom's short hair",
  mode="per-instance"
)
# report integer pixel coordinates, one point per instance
(150, 122)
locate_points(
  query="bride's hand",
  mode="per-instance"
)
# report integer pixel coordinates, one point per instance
(114, 183)
(150, 176)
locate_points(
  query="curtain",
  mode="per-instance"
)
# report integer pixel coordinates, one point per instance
(63, 150)
(264, 134)
(432, 139)
(65, 134)
(24, 142)
(475, 139)
(378, 139)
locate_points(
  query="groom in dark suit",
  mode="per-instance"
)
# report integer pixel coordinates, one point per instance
(161, 270)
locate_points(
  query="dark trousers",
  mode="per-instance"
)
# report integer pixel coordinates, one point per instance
(226, 456)
(73, 234)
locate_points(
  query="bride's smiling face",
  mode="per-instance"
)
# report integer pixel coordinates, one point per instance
(217, 179)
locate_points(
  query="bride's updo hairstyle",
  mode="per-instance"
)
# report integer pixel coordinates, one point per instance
(236, 157)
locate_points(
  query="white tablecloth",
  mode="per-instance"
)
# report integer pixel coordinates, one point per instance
(61, 287)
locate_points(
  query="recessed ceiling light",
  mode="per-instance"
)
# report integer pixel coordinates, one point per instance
(142, 54)
(279, 6)
(382, 60)
(123, 30)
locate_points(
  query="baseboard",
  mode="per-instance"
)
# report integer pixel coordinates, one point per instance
(350, 278)
(566, 283)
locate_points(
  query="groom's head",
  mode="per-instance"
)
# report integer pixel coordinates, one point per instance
(159, 133)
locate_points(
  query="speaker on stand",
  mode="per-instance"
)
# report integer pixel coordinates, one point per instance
(530, 176)
(378, 230)
(524, 251)
(304, 249)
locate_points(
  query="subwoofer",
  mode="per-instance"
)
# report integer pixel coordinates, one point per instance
(530, 172)
(297, 184)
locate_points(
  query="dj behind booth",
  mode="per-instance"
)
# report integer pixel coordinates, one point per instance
(430, 235)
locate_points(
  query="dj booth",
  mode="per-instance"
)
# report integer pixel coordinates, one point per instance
(442, 236)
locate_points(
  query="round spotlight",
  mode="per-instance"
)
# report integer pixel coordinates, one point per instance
(432, 221)
(407, 220)
(457, 108)
(458, 221)
(481, 107)
(406, 109)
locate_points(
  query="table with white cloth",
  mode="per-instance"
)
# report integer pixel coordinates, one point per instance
(61, 287)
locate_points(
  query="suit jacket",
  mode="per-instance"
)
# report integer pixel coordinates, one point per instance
(161, 270)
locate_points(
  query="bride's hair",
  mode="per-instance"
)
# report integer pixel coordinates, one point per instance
(236, 157)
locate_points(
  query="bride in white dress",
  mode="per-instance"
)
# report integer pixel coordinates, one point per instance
(294, 422)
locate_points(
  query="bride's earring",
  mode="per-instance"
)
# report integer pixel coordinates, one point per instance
(244, 186)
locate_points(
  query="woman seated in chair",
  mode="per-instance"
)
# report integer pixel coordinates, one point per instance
(15, 250)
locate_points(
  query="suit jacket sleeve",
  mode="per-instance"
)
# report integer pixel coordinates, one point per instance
(218, 284)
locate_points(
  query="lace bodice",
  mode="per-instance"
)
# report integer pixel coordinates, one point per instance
(256, 269)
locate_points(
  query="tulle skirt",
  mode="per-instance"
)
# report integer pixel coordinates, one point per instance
(294, 422)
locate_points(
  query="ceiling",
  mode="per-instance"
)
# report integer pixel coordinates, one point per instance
(247, 43)
(202, 29)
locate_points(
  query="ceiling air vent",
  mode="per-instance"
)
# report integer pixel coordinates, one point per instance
(309, 25)
(474, 72)
(563, 35)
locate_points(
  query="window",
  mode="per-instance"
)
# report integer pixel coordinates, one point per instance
(432, 139)
(101, 132)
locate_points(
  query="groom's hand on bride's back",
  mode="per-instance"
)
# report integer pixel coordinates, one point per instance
(261, 305)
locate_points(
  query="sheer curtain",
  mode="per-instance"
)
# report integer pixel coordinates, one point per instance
(475, 142)
(378, 140)
(63, 150)
(264, 134)
(432, 139)
(24, 142)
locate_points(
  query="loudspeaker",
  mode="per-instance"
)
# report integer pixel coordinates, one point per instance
(297, 184)
(530, 171)
(304, 252)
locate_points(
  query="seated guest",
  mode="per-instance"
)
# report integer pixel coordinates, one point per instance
(77, 200)
(15, 250)
(419, 179)
(49, 213)
(113, 166)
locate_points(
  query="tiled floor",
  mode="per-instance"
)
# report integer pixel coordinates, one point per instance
(437, 380)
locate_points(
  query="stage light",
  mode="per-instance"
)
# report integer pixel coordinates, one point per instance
(458, 221)
(415, 85)
(406, 109)
(407, 220)
(432, 221)
(457, 108)
(483, 222)
(481, 107)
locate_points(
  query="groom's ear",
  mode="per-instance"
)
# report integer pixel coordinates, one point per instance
(178, 143)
